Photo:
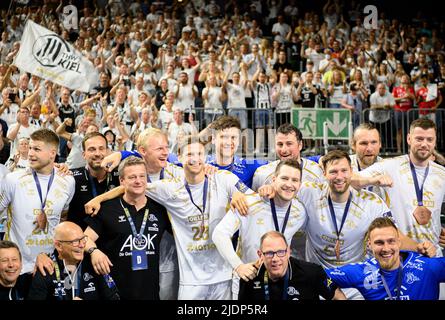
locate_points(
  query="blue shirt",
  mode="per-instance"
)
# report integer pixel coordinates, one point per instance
(244, 169)
(421, 277)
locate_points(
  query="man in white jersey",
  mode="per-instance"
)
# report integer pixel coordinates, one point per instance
(339, 216)
(366, 144)
(288, 145)
(196, 204)
(418, 185)
(37, 199)
(284, 213)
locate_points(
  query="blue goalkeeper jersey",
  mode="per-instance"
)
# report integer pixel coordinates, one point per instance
(420, 278)
(244, 169)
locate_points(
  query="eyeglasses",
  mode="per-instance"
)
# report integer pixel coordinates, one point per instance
(279, 253)
(76, 242)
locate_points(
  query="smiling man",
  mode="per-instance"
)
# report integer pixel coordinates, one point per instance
(284, 213)
(288, 145)
(74, 277)
(282, 277)
(12, 285)
(92, 179)
(391, 274)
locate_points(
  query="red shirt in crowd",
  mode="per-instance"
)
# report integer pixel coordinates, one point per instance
(423, 104)
(405, 104)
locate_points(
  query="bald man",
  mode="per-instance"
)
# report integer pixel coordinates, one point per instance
(73, 277)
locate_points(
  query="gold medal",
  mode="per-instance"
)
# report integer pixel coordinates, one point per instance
(422, 215)
(337, 249)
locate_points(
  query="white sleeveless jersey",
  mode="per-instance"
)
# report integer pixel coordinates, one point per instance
(285, 100)
(167, 247)
(259, 221)
(380, 191)
(199, 261)
(263, 175)
(403, 200)
(320, 246)
(19, 194)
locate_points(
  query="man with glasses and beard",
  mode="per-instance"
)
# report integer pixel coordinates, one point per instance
(282, 277)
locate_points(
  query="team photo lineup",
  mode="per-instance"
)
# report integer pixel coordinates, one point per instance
(217, 150)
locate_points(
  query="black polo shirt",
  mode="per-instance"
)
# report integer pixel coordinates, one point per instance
(117, 242)
(84, 192)
(307, 281)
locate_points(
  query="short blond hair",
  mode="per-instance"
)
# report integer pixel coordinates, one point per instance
(148, 133)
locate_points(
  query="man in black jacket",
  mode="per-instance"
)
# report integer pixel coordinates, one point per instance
(73, 277)
(282, 277)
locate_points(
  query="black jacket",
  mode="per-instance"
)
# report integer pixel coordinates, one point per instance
(92, 285)
(307, 281)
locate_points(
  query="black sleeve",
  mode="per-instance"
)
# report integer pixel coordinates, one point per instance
(96, 222)
(40, 287)
(107, 288)
(327, 291)
(245, 292)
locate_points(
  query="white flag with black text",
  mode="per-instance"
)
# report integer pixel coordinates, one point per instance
(45, 54)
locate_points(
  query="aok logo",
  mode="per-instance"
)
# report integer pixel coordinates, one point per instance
(52, 51)
(143, 243)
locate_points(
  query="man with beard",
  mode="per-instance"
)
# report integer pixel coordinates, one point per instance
(288, 145)
(418, 185)
(391, 274)
(92, 179)
(196, 204)
(339, 216)
(366, 144)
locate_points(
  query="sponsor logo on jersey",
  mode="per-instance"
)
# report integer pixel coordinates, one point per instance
(83, 188)
(292, 291)
(122, 219)
(152, 218)
(90, 288)
(257, 285)
(87, 276)
(154, 227)
(410, 278)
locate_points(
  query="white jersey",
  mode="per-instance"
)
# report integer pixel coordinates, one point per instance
(380, 191)
(253, 226)
(19, 194)
(285, 100)
(403, 200)
(167, 248)
(263, 175)
(199, 261)
(321, 234)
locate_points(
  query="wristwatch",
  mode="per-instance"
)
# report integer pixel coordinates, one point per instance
(90, 250)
